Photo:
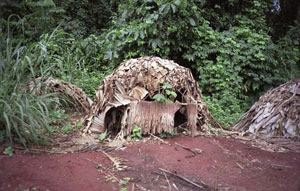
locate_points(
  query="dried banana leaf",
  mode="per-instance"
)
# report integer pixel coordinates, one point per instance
(50, 85)
(126, 96)
(275, 114)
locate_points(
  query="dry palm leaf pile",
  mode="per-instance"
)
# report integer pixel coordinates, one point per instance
(125, 99)
(50, 85)
(275, 114)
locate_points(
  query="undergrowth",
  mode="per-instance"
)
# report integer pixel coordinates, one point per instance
(226, 109)
(24, 115)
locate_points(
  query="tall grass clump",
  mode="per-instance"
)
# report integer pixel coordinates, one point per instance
(24, 116)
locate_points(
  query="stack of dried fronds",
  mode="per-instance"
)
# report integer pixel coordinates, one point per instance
(124, 99)
(73, 93)
(276, 114)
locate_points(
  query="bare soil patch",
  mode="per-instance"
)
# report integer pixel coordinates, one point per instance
(224, 164)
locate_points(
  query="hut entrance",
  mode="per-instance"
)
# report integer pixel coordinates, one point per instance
(112, 120)
(153, 117)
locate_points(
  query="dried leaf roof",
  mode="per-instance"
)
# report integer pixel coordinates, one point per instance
(51, 85)
(140, 79)
(275, 114)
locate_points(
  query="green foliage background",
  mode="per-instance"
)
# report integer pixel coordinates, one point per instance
(235, 49)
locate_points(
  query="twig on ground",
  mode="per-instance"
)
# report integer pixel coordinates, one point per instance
(161, 140)
(32, 149)
(156, 179)
(168, 181)
(239, 166)
(142, 188)
(174, 185)
(183, 178)
(279, 165)
(132, 187)
(195, 151)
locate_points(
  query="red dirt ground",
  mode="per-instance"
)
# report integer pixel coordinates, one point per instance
(224, 164)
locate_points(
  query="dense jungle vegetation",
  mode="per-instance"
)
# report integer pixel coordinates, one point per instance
(236, 49)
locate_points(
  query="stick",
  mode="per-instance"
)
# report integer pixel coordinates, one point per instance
(279, 165)
(186, 148)
(193, 150)
(183, 178)
(32, 149)
(142, 188)
(160, 139)
(239, 166)
(175, 186)
(168, 181)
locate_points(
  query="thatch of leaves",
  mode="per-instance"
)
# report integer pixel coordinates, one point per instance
(275, 114)
(72, 92)
(124, 99)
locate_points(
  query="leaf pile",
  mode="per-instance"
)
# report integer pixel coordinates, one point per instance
(276, 114)
(125, 98)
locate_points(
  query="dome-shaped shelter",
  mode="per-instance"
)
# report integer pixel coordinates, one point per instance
(73, 93)
(126, 99)
(275, 114)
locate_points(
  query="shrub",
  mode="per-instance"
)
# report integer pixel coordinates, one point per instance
(76, 61)
(226, 108)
